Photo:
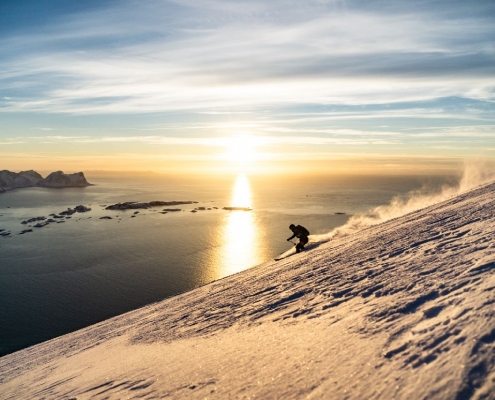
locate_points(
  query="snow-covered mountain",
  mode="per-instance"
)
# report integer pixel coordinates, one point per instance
(400, 310)
(15, 180)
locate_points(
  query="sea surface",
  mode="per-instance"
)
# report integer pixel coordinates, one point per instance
(69, 275)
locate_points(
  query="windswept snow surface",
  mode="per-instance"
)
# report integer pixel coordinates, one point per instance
(400, 310)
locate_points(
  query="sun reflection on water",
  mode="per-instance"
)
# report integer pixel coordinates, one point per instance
(240, 250)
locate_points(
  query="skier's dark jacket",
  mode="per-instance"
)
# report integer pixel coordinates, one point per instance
(300, 232)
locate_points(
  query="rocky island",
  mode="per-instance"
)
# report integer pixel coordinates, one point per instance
(16, 180)
(133, 205)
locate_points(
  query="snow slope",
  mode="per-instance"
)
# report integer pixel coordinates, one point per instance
(400, 310)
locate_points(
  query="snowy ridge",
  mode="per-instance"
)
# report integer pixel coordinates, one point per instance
(404, 309)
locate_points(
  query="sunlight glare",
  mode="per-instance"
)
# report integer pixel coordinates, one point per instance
(241, 194)
(240, 232)
(242, 149)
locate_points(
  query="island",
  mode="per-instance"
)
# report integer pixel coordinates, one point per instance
(15, 180)
(133, 205)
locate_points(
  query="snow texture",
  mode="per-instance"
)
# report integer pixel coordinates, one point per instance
(400, 310)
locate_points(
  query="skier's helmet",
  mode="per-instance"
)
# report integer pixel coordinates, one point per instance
(292, 226)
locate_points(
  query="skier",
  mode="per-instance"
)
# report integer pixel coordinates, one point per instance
(301, 233)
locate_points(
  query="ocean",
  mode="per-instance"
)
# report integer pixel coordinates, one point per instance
(68, 275)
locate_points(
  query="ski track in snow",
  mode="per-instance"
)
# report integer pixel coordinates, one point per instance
(404, 309)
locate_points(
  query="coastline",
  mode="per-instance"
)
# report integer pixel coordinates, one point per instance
(3, 190)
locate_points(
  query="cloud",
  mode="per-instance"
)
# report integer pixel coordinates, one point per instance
(257, 141)
(243, 56)
(374, 77)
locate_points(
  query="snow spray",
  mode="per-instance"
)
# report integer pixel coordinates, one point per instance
(474, 174)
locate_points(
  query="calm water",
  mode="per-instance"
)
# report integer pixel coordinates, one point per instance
(66, 276)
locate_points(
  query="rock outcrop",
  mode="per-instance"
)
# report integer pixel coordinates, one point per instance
(59, 179)
(15, 180)
(132, 205)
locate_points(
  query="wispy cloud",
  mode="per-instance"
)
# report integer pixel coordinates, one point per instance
(242, 55)
(351, 138)
(289, 73)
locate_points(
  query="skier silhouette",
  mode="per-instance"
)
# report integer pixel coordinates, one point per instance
(301, 233)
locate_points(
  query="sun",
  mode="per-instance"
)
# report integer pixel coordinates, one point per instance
(241, 149)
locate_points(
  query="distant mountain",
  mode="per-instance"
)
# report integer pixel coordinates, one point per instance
(15, 180)
(59, 179)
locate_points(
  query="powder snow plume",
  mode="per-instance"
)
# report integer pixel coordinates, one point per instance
(474, 174)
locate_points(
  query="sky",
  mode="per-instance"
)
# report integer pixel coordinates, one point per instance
(222, 85)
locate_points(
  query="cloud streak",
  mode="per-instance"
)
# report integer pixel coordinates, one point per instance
(258, 141)
(377, 78)
(245, 56)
